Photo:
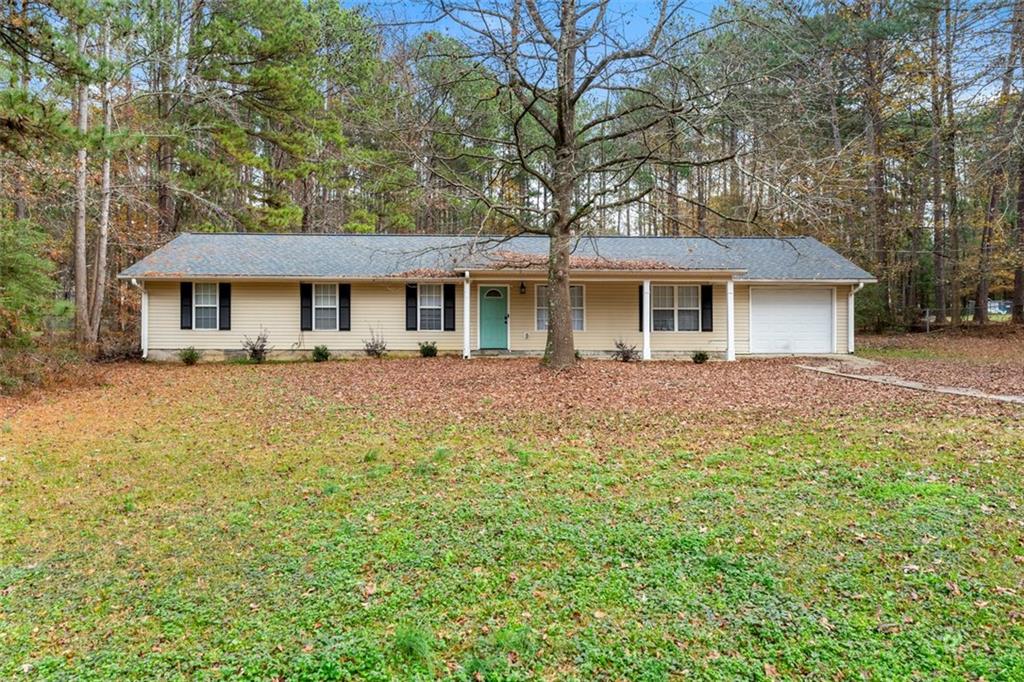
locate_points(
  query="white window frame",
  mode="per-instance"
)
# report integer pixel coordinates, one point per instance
(420, 307)
(336, 306)
(676, 307)
(196, 306)
(583, 306)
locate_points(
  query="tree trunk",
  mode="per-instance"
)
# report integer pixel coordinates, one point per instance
(873, 128)
(673, 201)
(935, 165)
(1018, 245)
(167, 218)
(559, 351)
(99, 273)
(952, 202)
(998, 172)
(82, 323)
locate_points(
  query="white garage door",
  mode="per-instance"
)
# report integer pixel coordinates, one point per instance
(791, 320)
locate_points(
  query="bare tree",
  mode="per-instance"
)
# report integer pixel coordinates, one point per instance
(583, 118)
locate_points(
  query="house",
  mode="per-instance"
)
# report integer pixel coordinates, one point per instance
(668, 296)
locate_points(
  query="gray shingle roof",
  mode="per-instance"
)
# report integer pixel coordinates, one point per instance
(366, 256)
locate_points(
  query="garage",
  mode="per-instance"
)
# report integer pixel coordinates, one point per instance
(791, 320)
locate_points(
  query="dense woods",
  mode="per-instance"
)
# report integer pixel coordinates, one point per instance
(888, 129)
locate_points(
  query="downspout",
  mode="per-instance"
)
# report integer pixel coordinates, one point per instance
(144, 324)
(851, 318)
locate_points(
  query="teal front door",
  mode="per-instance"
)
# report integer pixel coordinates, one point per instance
(493, 318)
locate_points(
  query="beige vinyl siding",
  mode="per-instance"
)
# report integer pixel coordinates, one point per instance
(686, 342)
(275, 307)
(741, 314)
(611, 313)
(842, 319)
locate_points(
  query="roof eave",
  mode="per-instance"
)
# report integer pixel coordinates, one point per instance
(503, 272)
(809, 280)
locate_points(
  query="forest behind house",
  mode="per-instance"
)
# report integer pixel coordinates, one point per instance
(888, 129)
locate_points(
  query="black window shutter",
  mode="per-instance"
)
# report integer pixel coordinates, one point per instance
(186, 305)
(706, 309)
(344, 307)
(641, 307)
(305, 306)
(410, 308)
(449, 307)
(224, 300)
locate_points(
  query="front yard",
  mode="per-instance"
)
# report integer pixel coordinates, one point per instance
(489, 520)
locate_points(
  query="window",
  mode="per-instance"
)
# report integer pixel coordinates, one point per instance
(204, 305)
(675, 309)
(431, 302)
(575, 303)
(325, 307)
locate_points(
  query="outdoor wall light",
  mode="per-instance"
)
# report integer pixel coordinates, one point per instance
(522, 287)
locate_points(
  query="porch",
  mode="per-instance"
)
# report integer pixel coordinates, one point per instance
(662, 316)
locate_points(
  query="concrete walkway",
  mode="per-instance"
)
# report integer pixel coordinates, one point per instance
(918, 386)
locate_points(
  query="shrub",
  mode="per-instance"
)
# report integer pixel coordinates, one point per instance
(256, 349)
(699, 357)
(413, 643)
(625, 352)
(428, 349)
(189, 356)
(321, 354)
(376, 347)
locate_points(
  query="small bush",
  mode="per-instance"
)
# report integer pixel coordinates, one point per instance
(428, 349)
(625, 352)
(376, 347)
(189, 356)
(413, 644)
(256, 349)
(699, 357)
(321, 354)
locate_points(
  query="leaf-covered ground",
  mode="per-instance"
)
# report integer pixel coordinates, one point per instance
(420, 519)
(990, 359)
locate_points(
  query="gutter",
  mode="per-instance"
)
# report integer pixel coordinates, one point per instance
(506, 273)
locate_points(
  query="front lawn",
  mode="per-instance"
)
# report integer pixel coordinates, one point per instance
(420, 519)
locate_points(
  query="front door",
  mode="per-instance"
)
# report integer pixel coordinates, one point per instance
(493, 318)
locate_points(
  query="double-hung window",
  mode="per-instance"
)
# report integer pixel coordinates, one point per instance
(675, 308)
(430, 308)
(575, 303)
(325, 307)
(204, 305)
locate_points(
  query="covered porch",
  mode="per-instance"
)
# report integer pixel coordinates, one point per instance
(662, 314)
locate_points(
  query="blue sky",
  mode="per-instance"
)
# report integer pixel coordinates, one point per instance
(632, 17)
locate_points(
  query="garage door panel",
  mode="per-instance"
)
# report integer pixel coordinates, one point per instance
(791, 320)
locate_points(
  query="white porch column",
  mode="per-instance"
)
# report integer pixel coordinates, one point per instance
(730, 322)
(465, 315)
(647, 320)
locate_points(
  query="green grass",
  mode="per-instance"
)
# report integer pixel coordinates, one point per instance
(213, 539)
